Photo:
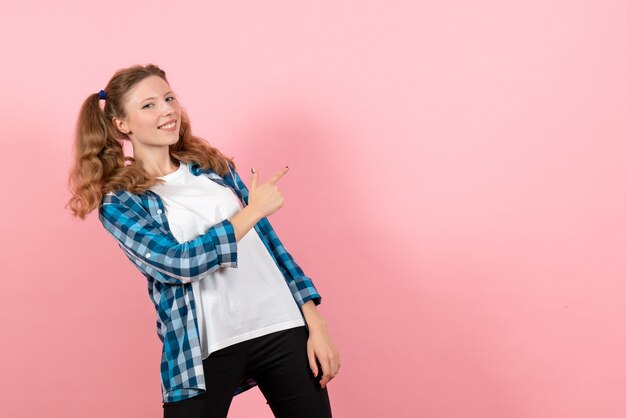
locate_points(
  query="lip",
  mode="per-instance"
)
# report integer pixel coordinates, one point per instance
(166, 123)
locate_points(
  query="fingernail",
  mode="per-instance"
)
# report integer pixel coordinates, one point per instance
(287, 166)
(252, 169)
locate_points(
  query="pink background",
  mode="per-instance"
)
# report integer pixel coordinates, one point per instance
(456, 192)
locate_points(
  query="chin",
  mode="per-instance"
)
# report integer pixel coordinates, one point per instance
(176, 138)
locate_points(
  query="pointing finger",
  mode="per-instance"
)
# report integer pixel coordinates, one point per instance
(278, 175)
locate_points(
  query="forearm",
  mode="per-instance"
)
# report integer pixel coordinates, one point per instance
(160, 255)
(312, 316)
(244, 220)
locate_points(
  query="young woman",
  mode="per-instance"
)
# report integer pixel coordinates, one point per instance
(234, 309)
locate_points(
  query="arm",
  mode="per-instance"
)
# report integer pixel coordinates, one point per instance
(301, 286)
(244, 220)
(312, 316)
(320, 347)
(161, 256)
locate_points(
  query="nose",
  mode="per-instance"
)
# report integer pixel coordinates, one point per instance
(167, 108)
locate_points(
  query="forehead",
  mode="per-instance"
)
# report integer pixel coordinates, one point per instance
(153, 86)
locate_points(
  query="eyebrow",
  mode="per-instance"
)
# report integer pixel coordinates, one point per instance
(154, 98)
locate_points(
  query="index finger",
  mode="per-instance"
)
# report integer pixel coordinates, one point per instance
(278, 175)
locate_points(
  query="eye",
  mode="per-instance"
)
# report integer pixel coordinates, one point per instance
(147, 105)
(170, 99)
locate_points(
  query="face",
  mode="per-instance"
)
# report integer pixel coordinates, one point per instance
(153, 114)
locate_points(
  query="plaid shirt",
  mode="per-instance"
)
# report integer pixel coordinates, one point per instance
(139, 225)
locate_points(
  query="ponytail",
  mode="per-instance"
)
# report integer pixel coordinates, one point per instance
(95, 151)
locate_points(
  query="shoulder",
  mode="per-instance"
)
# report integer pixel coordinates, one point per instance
(116, 197)
(124, 199)
(120, 197)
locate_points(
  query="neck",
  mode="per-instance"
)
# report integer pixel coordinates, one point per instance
(158, 166)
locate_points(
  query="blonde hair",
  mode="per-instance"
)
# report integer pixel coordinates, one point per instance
(100, 165)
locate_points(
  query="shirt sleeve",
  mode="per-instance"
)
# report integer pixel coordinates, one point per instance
(301, 286)
(161, 256)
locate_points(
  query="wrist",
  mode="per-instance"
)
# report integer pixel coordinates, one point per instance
(312, 316)
(316, 324)
(254, 212)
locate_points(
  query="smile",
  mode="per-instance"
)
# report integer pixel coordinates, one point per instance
(169, 126)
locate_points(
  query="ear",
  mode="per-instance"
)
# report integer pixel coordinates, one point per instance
(121, 125)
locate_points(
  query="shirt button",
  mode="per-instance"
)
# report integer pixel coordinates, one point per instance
(159, 211)
(148, 255)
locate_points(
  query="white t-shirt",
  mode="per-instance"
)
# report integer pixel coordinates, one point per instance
(233, 304)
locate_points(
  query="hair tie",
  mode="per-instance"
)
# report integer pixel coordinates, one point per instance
(102, 95)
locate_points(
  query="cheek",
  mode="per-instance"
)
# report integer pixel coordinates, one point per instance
(146, 121)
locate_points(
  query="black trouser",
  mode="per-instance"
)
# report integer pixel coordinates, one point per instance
(279, 364)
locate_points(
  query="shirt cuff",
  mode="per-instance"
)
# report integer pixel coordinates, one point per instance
(303, 290)
(225, 243)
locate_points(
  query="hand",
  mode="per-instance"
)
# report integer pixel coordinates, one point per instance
(266, 198)
(320, 345)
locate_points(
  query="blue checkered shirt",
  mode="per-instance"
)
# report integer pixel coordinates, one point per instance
(139, 225)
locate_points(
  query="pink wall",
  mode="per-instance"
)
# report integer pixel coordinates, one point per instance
(456, 191)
